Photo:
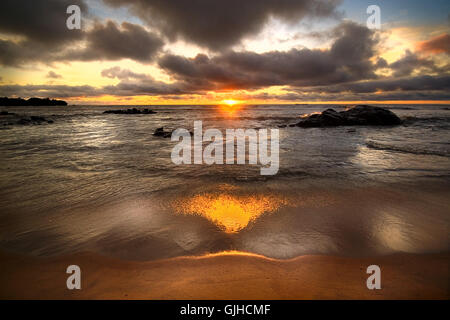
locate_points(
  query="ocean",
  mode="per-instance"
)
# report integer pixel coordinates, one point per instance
(104, 183)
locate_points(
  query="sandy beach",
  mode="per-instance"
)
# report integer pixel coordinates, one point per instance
(230, 275)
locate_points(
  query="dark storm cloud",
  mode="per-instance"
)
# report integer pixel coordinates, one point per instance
(220, 23)
(438, 44)
(102, 42)
(348, 59)
(109, 42)
(13, 54)
(41, 35)
(42, 21)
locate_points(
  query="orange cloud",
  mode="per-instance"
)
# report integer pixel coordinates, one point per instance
(438, 44)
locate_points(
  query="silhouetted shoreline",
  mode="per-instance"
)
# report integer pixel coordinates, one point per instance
(15, 102)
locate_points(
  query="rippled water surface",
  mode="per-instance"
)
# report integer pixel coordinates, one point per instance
(103, 182)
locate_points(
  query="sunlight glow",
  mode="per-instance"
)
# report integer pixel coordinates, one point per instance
(230, 212)
(230, 102)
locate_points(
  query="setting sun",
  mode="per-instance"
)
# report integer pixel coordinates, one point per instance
(230, 102)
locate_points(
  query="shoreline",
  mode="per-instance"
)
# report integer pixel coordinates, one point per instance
(225, 276)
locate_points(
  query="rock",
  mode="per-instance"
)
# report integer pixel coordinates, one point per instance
(369, 115)
(159, 132)
(328, 118)
(359, 115)
(130, 111)
(37, 119)
(24, 121)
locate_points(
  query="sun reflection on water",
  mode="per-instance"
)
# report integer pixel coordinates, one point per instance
(231, 212)
(230, 109)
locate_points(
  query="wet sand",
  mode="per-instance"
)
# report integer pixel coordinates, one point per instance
(225, 276)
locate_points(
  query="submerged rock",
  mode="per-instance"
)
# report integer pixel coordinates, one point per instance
(359, 115)
(6, 113)
(33, 120)
(130, 111)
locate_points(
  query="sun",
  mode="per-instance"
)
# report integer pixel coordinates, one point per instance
(230, 102)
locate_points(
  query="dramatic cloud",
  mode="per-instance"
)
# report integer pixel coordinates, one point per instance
(132, 83)
(39, 26)
(109, 42)
(343, 96)
(102, 42)
(411, 62)
(348, 59)
(439, 44)
(51, 91)
(419, 83)
(42, 21)
(220, 23)
(16, 54)
(416, 88)
(349, 68)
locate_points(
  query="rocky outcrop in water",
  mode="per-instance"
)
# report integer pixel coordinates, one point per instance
(361, 115)
(159, 132)
(130, 111)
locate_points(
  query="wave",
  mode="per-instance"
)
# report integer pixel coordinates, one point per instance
(406, 149)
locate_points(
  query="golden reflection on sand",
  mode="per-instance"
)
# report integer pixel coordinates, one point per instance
(231, 212)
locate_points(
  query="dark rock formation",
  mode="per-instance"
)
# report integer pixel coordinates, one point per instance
(130, 111)
(159, 132)
(31, 102)
(357, 116)
(6, 113)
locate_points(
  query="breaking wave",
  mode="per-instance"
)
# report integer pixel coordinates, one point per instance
(407, 149)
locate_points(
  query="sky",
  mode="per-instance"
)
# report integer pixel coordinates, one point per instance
(207, 51)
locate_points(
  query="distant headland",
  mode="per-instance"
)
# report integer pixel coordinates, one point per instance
(31, 102)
